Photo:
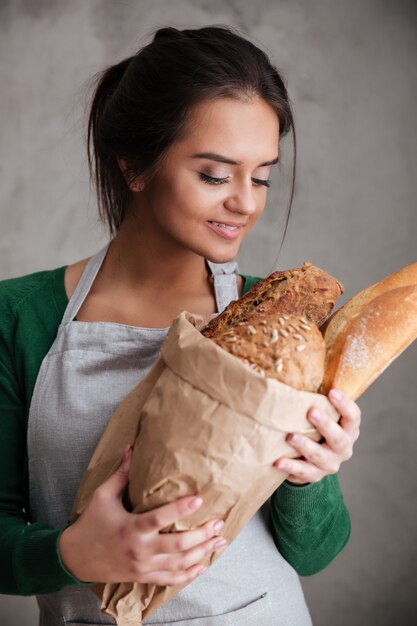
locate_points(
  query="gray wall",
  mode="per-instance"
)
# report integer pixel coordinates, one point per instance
(351, 71)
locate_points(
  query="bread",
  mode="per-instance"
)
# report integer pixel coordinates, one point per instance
(287, 348)
(402, 278)
(306, 291)
(360, 339)
(368, 332)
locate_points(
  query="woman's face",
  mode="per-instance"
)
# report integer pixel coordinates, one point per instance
(228, 185)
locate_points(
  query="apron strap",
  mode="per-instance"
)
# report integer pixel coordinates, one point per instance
(225, 284)
(84, 285)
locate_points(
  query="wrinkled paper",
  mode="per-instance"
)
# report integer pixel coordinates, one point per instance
(201, 422)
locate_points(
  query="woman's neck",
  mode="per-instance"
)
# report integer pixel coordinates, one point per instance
(140, 258)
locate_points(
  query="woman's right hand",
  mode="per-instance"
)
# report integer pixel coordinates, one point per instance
(109, 544)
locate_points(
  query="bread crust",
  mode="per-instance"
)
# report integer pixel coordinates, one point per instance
(287, 348)
(306, 290)
(365, 337)
(404, 277)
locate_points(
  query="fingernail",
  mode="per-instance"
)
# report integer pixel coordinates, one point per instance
(294, 438)
(281, 465)
(335, 394)
(220, 544)
(218, 525)
(201, 571)
(315, 415)
(195, 503)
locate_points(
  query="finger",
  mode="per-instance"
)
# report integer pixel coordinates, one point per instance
(169, 579)
(296, 481)
(184, 560)
(336, 437)
(305, 471)
(349, 411)
(317, 454)
(160, 517)
(320, 455)
(180, 541)
(117, 482)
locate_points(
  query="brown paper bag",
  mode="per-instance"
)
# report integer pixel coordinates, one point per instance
(201, 422)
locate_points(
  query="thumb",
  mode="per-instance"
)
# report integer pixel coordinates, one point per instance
(117, 482)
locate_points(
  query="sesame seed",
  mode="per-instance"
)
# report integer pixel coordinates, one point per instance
(274, 336)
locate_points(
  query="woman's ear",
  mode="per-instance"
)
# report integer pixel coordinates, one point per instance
(135, 184)
(122, 164)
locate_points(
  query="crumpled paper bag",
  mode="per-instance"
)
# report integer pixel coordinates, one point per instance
(201, 422)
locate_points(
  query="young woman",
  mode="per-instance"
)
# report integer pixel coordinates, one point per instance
(182, 138)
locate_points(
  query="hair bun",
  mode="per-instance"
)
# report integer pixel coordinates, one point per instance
(167, 32)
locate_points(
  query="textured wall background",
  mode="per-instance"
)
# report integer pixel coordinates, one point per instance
(351, 72)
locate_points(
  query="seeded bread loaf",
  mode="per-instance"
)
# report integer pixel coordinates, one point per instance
(306, 291)
(287, 348)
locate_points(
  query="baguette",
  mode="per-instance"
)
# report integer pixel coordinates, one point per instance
(307, 291)
(365, 335)
(404, 277)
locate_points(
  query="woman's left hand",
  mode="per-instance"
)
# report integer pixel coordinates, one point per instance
(320, 459)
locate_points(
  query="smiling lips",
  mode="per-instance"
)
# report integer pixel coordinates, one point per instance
(227, 233)
(227, 223)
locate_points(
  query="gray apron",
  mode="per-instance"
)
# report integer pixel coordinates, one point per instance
(89, 369)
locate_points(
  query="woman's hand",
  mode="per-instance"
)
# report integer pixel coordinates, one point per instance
(109, 544)
(320, 459)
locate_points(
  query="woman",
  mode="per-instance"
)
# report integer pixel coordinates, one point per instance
(182, 138)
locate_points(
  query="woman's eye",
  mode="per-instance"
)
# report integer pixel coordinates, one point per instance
(260, 181)
(211, 180)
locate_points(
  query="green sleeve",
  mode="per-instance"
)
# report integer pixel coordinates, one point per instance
(310, 523)
(29, 559)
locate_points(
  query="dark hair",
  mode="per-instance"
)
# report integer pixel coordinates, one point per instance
(141, 106)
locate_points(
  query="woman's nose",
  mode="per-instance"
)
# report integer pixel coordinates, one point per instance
(243, 199)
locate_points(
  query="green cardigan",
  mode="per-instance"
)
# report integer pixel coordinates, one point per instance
(310, 524)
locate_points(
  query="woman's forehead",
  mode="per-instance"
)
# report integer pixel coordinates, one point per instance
(232, 129)
(221, 113)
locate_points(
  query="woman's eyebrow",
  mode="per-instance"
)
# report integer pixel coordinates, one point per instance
(212, 156)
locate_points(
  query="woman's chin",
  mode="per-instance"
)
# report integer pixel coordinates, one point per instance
(222, 257)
